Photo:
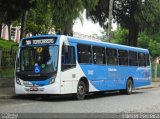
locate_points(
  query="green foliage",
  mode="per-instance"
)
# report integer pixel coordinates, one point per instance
(148, 16)
(149, 42)
(7, 72)
(6, 44)
(13, 10)
(155, 36)
(39, 19)
(120, 36)
(143, 40)
(64, 13)
(135, 15)
(43, 14)
(154, 47)
(90, 4)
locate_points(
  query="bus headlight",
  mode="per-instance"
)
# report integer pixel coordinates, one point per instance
(53, 79)
(18, 81)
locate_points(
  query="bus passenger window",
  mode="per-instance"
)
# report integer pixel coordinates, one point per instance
(133, 58)
(111, 56)
(68, 57)
(141, 59)
(84, 54)
(123, 57)
(147, 60)
(99, 55)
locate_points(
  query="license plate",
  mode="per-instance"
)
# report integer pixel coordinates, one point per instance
(33, 88)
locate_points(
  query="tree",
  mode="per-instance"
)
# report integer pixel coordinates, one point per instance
(110, 18)
(128, 13)
(151, 42)
(148, 16)
(120, 36)
(25, 5)
(39, 19)
(64, 13)
(11, 10)
(8, 13)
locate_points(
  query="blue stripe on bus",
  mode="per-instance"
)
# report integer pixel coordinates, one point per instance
(102, 78)
(41, 83)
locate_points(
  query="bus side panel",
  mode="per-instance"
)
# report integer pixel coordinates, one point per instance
(71, 76)
(142, 77)
(70, 79)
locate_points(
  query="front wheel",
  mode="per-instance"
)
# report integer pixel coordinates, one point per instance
(81, 91)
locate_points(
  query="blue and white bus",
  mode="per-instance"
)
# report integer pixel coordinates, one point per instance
(58, 64)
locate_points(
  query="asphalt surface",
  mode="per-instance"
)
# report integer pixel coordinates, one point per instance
(144, 100)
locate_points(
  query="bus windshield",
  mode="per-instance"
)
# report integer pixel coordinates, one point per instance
(40, 59)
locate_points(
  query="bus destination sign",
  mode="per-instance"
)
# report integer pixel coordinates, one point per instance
(39, 41)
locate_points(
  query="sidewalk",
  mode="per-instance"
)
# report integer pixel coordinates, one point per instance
(7, 93)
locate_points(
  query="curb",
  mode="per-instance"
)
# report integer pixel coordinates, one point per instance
(145, 88)
(6, 96)
(148, 87)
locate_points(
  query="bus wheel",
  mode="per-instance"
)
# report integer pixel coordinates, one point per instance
(129, 87)
(81, 91)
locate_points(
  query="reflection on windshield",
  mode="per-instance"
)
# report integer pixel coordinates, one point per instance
(39, 59)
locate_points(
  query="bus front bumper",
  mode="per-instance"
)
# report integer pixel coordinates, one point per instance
(48, 89)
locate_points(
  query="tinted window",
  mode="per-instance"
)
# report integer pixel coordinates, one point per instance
(123, 57)
(147, 60)
(141, 59)
(84, 53)
(133, 58)
(111, 56)
(99, 55)
(68, 57)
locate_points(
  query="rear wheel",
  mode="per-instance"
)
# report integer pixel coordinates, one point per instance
(129, 87)
(81, 91)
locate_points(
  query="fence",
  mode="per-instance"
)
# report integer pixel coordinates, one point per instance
(7, 63)
(157, 72)
(8, 58)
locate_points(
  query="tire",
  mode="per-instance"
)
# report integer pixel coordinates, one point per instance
(81, 91)
(129, 88)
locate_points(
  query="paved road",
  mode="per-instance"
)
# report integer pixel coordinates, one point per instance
(145, 100)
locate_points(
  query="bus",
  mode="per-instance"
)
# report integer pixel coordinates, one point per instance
(59, 64)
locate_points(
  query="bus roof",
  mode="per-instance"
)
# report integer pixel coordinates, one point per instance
(92, 42)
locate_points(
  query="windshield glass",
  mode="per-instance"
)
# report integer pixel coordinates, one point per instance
(40, 59)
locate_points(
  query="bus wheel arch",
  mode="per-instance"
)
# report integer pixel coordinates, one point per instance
(131, 80)
(129, 86)
(82, 88)
(85, 80)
